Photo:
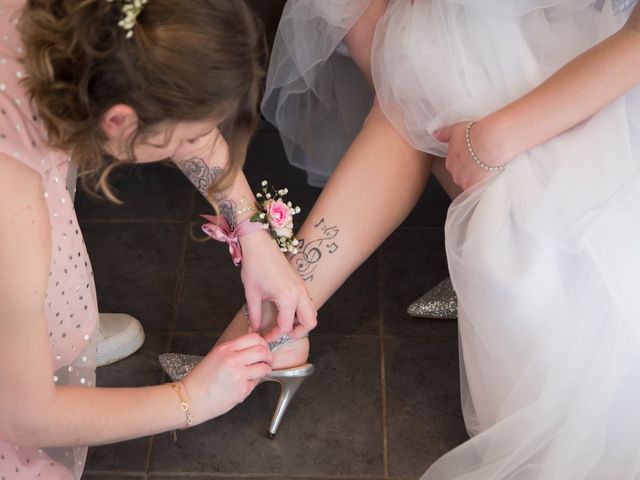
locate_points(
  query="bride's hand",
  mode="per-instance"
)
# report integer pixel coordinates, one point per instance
(464, 171)
(227, 375)
(267, 275)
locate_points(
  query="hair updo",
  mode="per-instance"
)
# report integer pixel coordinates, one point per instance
(190, 60)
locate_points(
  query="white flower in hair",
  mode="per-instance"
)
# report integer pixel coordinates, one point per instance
(130, 11)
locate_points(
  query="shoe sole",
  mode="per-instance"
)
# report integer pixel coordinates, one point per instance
(109, 357)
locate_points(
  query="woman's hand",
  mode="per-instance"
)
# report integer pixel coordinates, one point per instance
(267, 275)
(227, 375)
(464, 171)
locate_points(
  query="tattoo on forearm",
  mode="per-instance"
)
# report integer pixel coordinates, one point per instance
(199, 173)
(228, 211)
(310, 252)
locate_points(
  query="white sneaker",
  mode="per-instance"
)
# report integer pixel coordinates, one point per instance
(119, 335)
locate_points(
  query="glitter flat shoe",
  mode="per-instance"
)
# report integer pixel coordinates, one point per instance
(440, 302)
(178, 365)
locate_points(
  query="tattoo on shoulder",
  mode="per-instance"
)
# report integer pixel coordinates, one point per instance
(202, 176)
(310, 253)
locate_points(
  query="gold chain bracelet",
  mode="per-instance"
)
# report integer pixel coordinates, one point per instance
(185, 407)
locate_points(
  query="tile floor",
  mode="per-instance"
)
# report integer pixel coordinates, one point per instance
(384, 401)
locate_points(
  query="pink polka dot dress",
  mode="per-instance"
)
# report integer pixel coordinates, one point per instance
(70, 304)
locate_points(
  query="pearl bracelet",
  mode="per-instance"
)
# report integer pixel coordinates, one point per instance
(480, 163)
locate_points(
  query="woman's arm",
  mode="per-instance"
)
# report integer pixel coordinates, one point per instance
(265, 272)
(33, 410)
(574, 93)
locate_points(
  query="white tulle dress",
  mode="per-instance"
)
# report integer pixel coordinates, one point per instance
(545, 257)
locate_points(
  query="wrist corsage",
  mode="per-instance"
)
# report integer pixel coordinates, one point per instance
(277, 215)
(272, 214)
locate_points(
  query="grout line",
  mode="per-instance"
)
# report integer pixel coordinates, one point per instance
(419, 228)
(383, 378)
(177, 295)
(369, 336)
(216, 333)
(129, 220)
(147, 465)
(266, 476)
(111, 474)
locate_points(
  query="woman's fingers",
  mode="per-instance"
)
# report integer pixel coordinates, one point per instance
(247, 341)
(307, 318)
(257, 371)
(254, 311)
(256, 354)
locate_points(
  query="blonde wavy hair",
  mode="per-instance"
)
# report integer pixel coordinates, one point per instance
(187, 61)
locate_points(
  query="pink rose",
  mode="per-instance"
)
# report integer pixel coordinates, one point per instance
(278, 214)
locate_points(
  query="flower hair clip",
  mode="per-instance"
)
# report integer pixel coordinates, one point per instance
(277, 216)
(130, 10)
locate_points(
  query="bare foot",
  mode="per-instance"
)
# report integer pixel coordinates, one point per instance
(291, 354)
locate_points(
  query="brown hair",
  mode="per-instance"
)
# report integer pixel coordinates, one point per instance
(186, 61)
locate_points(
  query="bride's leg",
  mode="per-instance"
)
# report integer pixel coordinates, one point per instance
(360, 37)
(373, 189)
(375, 186)
(359, 40)
(441, 174)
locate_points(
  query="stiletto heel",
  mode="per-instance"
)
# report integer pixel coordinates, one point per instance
(290, 380)
(178, 365)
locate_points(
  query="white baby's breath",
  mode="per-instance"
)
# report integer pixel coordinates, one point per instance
(270, 200)
(130, 10)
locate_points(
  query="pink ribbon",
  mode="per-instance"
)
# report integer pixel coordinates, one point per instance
(220, 230)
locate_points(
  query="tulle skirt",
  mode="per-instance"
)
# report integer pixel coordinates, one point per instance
(544, 256)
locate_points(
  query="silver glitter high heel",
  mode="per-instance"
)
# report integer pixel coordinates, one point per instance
(178, 365)
(440, 302)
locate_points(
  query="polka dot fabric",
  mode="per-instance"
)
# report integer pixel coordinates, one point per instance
(70, 304)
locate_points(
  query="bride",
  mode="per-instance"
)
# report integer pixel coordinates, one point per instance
(532, 102)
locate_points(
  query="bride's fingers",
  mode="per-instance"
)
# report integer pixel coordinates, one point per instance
(443, 134)
(286, 314)
(254, 311)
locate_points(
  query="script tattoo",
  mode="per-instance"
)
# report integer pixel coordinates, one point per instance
(310, 252)
(199, 173)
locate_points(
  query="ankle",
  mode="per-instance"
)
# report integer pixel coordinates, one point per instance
(291, 354)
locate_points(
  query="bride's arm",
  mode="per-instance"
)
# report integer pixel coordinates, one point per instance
(574, 93)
